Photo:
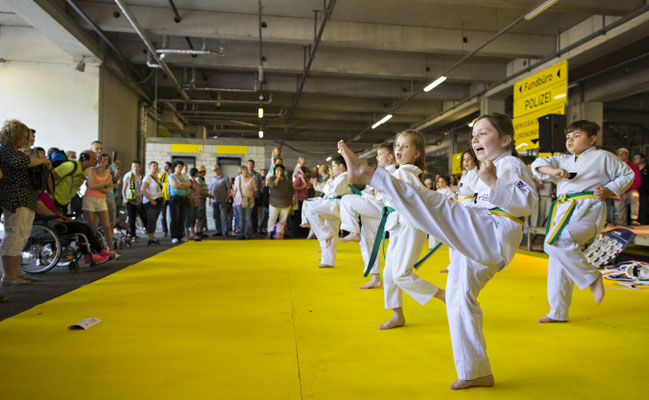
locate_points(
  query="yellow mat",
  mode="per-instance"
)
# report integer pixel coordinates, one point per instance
(258, 320)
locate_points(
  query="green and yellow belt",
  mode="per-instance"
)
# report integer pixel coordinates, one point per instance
(566, 198)
(380, 238)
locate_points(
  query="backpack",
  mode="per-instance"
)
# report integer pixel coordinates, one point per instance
(57, 158)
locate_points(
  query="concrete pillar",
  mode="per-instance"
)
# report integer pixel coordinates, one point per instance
(451, 149)
(488, 105)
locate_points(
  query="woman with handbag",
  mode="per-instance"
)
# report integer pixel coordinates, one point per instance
(193, 209)
(244, 200)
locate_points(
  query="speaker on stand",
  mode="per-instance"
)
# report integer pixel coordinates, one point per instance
(552, 137)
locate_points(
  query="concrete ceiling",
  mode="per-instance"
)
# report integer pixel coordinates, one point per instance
(373, 55)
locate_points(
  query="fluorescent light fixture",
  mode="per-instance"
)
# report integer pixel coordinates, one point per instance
(382, 121)
(560, 96)
(260, 112)
(328, 158)
(539, 9)
(261, 134)
(435, 83)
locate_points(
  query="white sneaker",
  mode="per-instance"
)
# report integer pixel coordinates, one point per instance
(174, 240)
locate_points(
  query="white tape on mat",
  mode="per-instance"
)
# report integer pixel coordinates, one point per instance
(85, 324)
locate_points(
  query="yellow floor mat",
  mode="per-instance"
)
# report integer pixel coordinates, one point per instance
(259, 320)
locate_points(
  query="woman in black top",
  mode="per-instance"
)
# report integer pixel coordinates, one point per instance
(18, 198)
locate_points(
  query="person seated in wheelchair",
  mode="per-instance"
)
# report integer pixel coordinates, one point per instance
(46, 206)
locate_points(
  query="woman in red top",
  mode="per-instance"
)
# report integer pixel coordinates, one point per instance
(301, 185)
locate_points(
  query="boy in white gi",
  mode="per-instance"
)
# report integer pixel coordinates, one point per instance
(491, 232)
(368, 208)
(406, 241)
(324, 216)
(585, 179)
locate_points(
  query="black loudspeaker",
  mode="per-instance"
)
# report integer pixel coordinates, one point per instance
(552, 137)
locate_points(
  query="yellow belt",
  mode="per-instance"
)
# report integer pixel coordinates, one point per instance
(502, 213)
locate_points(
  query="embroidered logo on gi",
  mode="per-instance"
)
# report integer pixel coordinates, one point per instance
(521, 184)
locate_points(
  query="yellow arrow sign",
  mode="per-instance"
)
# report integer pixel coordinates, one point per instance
(541, 100)
(526, 128)
(542, 80)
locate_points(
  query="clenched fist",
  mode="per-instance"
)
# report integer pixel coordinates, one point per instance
(487, 174)
(602, 193)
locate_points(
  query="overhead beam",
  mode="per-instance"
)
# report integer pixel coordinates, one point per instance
(236, 26)
(52, 21)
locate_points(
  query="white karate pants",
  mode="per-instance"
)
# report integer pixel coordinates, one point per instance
(483, 245)
(324, 218)
(567, 264)
(306, 206)
(404, 249)
(369, 210)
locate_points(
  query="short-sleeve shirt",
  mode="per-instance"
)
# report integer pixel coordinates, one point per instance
(218, 188)
(16, 189)
(67, 186)
(200, 181)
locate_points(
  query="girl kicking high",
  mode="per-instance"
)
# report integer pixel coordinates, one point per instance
(485, 236)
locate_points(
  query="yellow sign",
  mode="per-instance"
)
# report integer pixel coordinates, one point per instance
(457, 163)
(186, 148)
(231, 149)
(543, 93)
(526, 128)
(541, 100)
(541, 80)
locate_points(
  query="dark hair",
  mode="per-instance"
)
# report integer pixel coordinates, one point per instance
(504, 127)
(52, 150)
(446, 179)
(340, 161)
(110, 160)
(641, 155)
(472, 154)
(36, 148)
(193, 171)
(589, 127)
(419, 145)
(386, 147)
(136, 162)
(152, 162)
(95, 141)
(280, 166)
(252, 161)
(305, 170)
(168, 163)
(178, 162)
(85, 155)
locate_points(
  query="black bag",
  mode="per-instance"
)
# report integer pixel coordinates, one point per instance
(39, 176)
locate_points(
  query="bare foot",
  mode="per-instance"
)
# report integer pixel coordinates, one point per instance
(444, 271)
(441, 294)
(396, 321)
(325, 266)
(268, 235)
(546, 320)
(484, 381)
(375, 282)
(357, 170)
(352, 237)
(597, 288)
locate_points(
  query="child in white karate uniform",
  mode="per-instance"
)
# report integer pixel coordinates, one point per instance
(324, 216)
(406, 241)
(491, 231)
(442, 187)
(585, 179)
(368, 208)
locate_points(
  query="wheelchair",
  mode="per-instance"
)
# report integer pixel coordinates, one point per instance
(49, 245)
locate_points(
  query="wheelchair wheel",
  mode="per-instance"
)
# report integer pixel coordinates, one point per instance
(42, 251)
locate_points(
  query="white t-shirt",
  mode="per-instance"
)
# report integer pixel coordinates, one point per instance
(154, 190)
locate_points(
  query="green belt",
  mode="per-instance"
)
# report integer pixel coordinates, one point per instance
(354, 190)
(380, 238)
(566, 198)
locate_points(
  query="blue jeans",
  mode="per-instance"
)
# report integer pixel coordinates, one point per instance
(220, 214)
(245, 223)
(262, 219)
(235, 217)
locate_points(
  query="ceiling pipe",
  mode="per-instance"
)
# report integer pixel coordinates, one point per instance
(177, 17)
(204, 51)
(231, 113)
(138, 29)
(326, 15)
(210, 101)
